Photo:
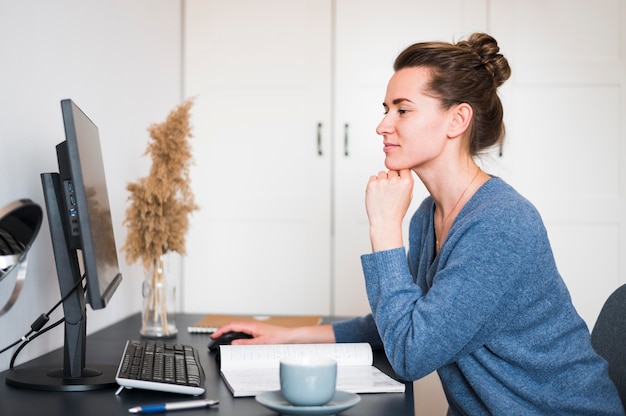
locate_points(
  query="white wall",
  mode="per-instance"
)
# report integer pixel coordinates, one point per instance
(120, 61)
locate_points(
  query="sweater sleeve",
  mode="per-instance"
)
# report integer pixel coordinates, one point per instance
(360, 329)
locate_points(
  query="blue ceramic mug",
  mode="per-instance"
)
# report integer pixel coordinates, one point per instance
(308, 381)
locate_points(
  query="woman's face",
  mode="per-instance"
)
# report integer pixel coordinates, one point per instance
(415, 126)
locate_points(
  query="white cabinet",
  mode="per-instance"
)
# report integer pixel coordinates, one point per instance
(261, 72)
(566, 119)
(289, 94)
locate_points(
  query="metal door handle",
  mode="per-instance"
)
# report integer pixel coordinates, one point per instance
(345, 139)
(319, 139)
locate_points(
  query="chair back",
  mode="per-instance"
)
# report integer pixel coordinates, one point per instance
(609, 338)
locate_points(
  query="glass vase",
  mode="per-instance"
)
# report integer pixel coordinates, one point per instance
(159, 301)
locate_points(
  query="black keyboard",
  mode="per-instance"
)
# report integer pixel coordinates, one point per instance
(157, 365)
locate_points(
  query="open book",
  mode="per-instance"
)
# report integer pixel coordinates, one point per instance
(252, 369)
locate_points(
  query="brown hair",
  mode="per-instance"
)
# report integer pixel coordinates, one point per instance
(469, 72)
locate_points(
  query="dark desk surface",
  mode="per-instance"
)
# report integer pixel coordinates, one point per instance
(106, 347)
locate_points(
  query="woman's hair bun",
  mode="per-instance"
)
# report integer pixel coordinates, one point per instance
(486, 47)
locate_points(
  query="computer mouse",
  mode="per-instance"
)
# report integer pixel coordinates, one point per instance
(227, 338)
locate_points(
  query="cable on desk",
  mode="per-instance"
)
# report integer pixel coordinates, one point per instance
(40, 322)
(26, 341)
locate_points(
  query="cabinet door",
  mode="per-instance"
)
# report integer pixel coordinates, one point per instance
(565, 116)
(260, 72)
(369, 35)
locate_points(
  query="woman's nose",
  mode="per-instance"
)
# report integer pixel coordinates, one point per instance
(384, 127)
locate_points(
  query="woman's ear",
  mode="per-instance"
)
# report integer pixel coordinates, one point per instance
(461, 119)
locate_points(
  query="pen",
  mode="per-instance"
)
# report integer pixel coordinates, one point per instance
(162, 407)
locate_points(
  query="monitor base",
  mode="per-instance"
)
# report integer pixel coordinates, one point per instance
(51, 378)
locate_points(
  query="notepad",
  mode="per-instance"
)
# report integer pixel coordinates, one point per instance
(211, 322)
(249, 370)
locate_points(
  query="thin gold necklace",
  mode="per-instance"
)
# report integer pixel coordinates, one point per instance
(447, 217)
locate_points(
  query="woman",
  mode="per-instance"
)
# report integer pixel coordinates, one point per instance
(480, 299)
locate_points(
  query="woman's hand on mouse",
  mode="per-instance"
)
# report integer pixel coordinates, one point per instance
(272, 334)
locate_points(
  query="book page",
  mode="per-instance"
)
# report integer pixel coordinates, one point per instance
(366, 379)
(269, 356)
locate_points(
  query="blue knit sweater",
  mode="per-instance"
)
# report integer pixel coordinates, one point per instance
(489, 312)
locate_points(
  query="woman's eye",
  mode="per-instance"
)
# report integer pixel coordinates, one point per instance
(401, 111)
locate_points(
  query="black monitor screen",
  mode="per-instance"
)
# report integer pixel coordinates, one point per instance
(87, 201)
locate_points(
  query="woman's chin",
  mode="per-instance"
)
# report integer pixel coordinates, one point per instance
(396, 166)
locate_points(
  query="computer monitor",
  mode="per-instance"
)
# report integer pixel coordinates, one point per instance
(81, 229)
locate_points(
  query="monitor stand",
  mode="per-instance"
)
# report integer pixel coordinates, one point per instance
(73, 375)
(54, 378)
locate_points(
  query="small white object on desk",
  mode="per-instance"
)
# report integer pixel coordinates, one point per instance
(201, 330)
